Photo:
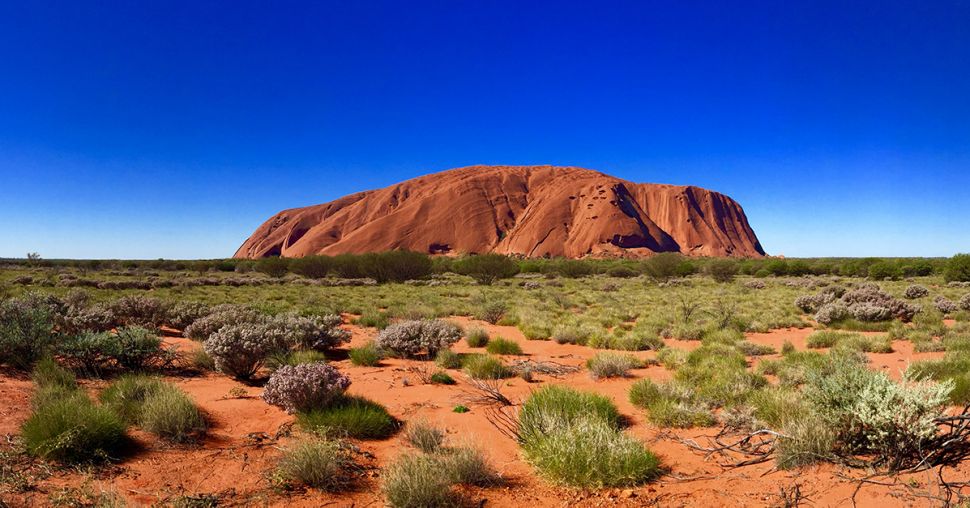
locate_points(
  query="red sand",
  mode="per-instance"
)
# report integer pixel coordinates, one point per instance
(241, 447)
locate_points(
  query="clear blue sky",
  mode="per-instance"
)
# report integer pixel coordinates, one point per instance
(173, 129)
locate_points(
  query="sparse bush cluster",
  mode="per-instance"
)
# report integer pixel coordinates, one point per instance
(915, 291)
(305, 387)
(866, 303)
(418, 338)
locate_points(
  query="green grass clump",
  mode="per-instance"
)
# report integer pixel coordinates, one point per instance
(172, 415)
(827, 338)
(417, 480)
(777, 406)
(805, 440)
(350, 416)
(320, 463)
(424, 436)
(155, 406)
(606, 365)
(668, 405)
(201, 360)
(486, 367)
(71, 428)
(533, 331)
(672, 358)
(573, 438)
(718, 376)
(476, 337)
(749, 348)
(588, 452)
(442, 378)
(468, 465)
(126, 396)
(374, 319)
(448, 359)
(556, 406)
(500, 346)
(954, 366)
(367, 355)
(867, 344)
(794, 366)
(48, 373)
(680, 414)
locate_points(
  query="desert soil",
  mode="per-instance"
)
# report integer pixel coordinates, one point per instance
(247, 434)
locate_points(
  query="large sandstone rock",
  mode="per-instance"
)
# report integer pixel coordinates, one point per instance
(527, 210)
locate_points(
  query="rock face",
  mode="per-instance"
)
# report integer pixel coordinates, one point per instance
(526, 210)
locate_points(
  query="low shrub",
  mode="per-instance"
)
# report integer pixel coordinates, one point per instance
(349, 416)
(319, 463)
(321, 333)
(367, 355)
(239, 350)
(183, 314)
(722, 270)
(140, 349)
(419, 338)
(304, 387)
(476, 337)
(870, 413)
(606, 365)
(139, 310)
(26, 331)
(915, 291)
(944, 305)
(500, 346)
(221, 316)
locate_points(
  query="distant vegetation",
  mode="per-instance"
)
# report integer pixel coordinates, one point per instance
(399, 266)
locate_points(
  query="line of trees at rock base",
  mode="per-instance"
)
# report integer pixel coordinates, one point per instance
(398, 266)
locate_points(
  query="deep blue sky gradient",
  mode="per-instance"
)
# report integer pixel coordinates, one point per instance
(173, 129)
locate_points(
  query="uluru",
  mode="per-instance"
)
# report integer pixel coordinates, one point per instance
(532, 211)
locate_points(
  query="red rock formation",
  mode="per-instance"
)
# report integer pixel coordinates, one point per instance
(527, 210)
